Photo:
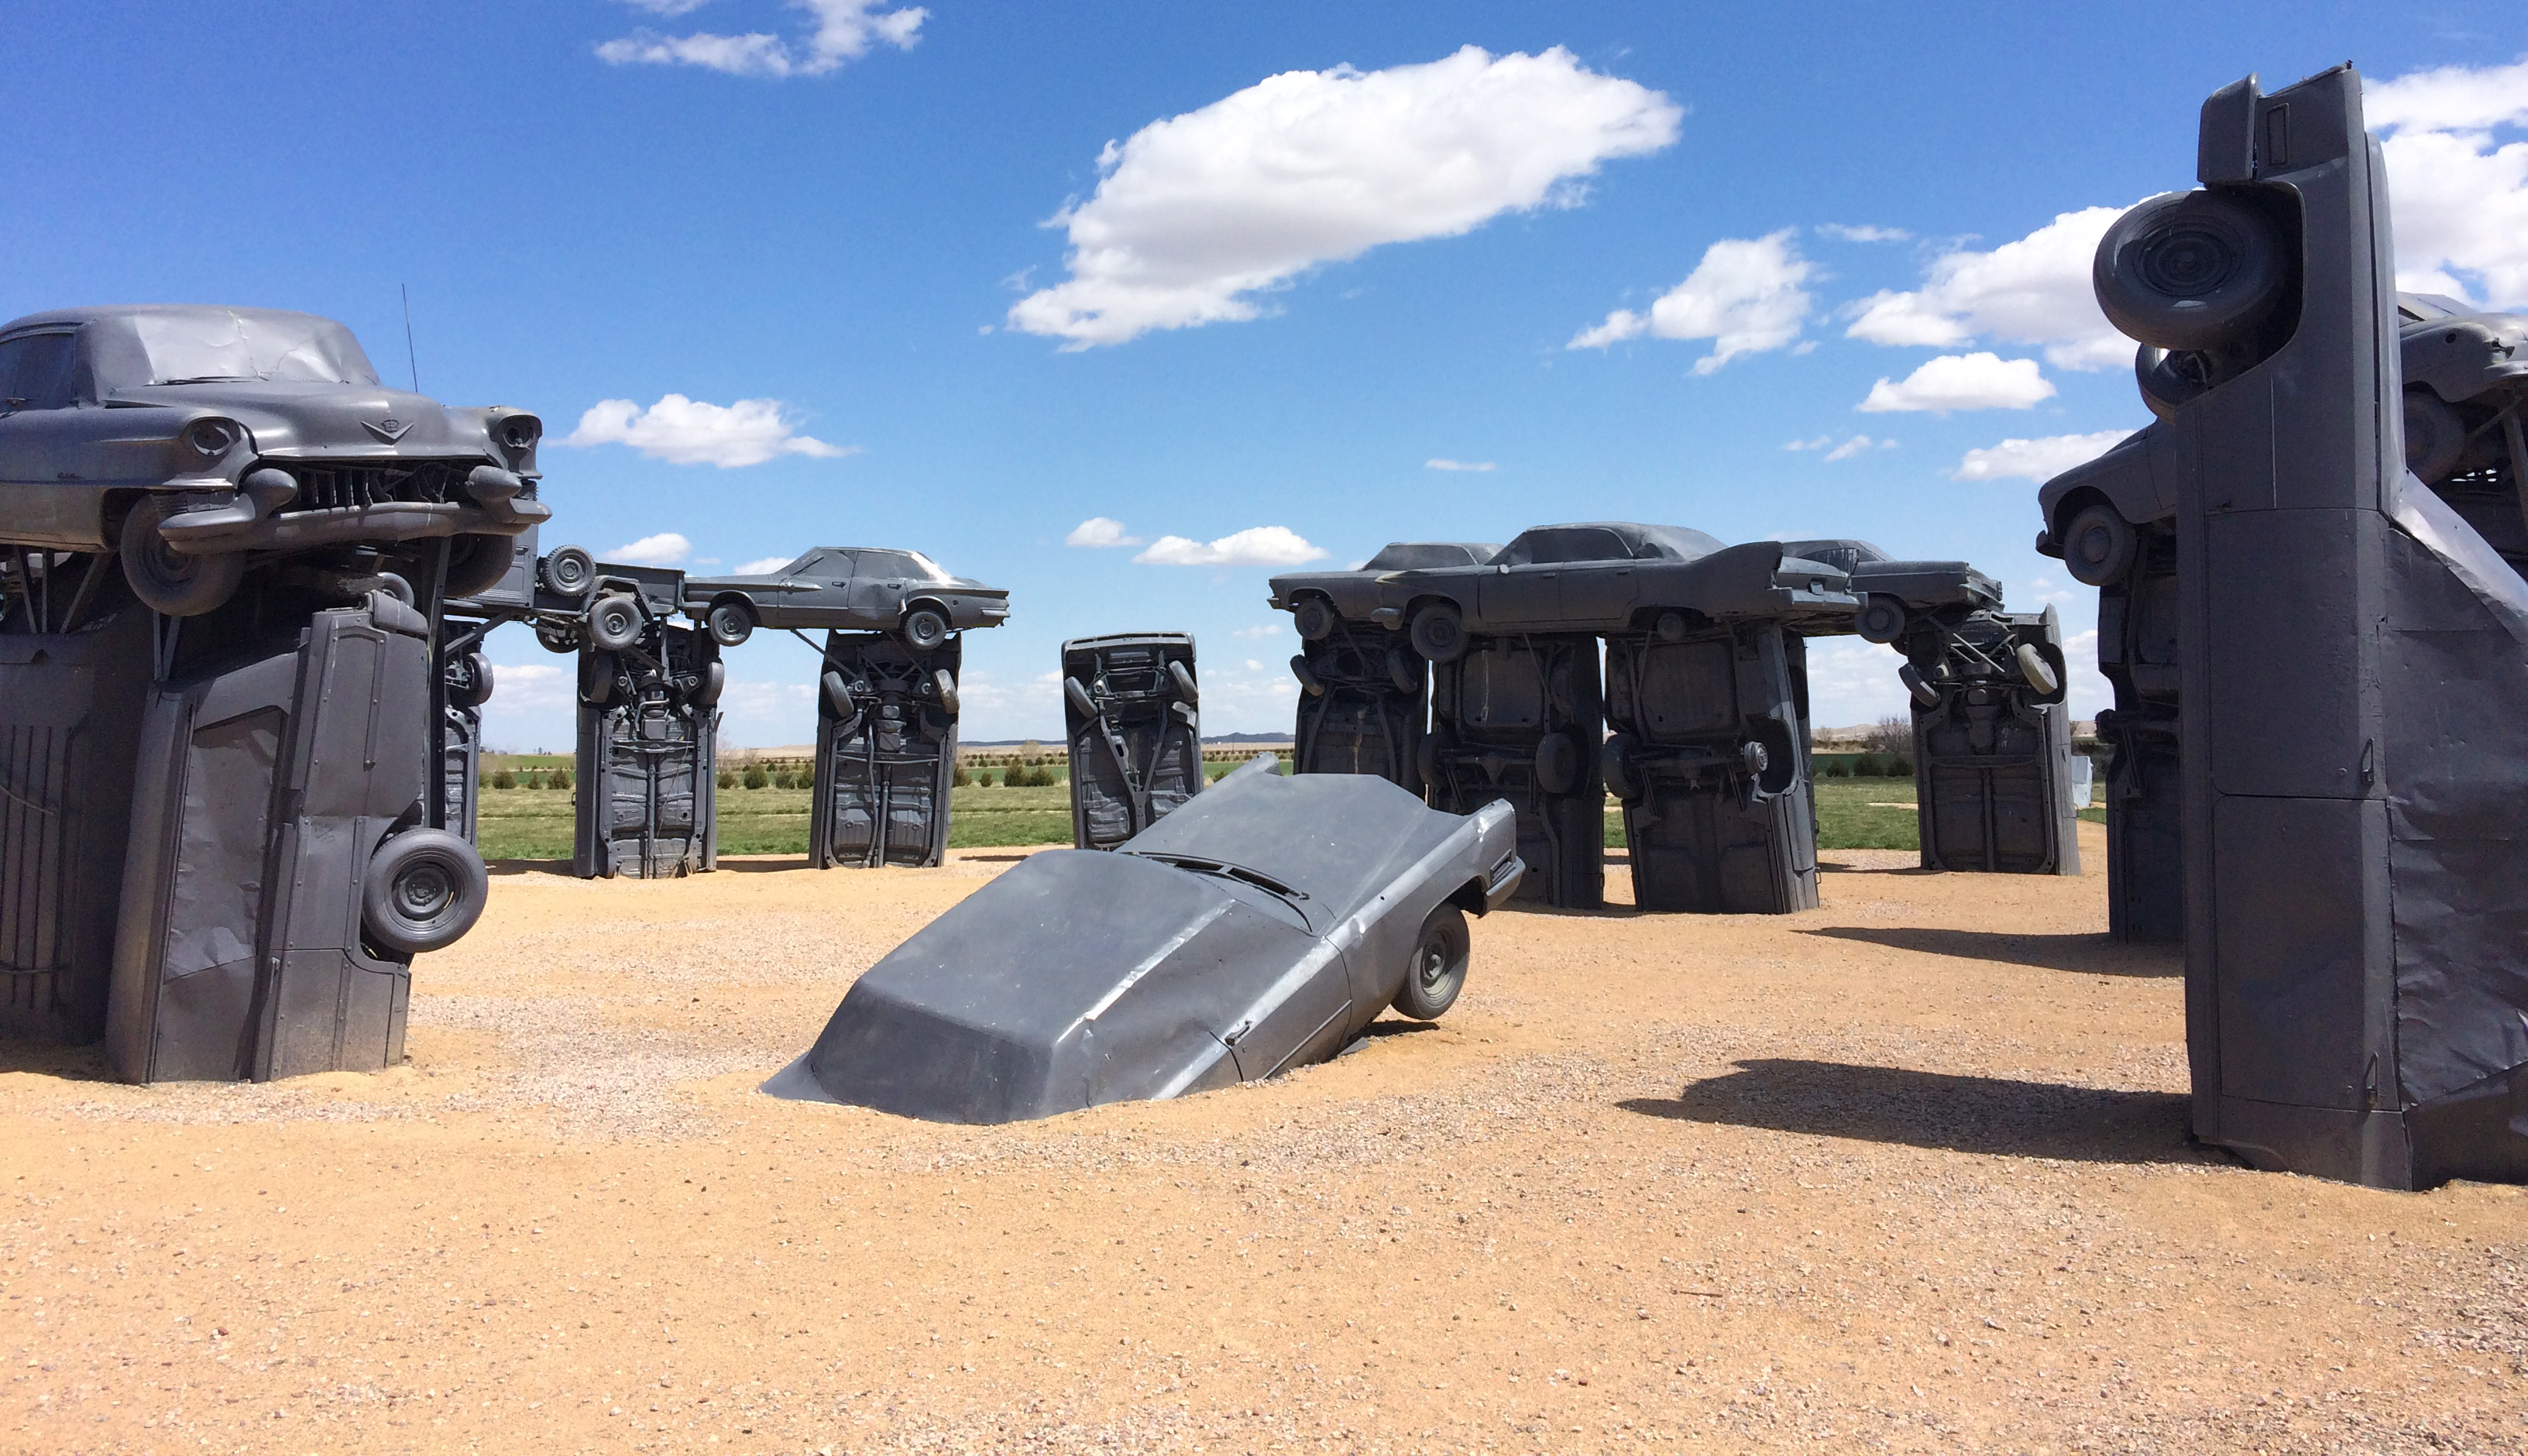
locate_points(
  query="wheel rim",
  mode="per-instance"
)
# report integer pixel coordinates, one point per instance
(1431, 966)
(2187, 262)
(424, 892)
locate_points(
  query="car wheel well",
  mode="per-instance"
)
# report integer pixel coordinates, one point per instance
(1470, 898)
(2067, 509)
(737, 598)
(916, 603)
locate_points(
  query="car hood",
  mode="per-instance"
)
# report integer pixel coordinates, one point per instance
(1073, 979)
(1338, 839)
(329, 421)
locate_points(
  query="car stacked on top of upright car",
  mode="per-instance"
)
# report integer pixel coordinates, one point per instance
(200, 441)
(848, 589)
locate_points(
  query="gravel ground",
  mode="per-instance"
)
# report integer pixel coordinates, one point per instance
(1905, 1174)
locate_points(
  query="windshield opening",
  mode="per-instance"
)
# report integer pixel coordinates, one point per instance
(210, 346)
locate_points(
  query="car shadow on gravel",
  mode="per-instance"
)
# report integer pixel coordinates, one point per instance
(2089, 955)
(85, 1063)
(1994, 1115)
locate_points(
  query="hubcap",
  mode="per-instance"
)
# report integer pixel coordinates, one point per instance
(2187, 262)
(423, 890)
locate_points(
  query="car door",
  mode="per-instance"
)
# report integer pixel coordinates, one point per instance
(44, 498)
(810, 592)
(878, 586)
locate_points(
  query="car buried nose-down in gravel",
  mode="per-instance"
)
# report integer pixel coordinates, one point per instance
(199, 440)
(1257, 928)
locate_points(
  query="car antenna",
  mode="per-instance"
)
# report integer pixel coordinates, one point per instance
(409, 357)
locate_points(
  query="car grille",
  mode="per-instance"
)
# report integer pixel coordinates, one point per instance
(330, 487)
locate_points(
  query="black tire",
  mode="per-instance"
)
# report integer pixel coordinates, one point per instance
(567, 572)
(2435, 437)
(730, 622)
(1615, 765)
(425, 889)
(2099, 545)
(1439, 632)
(1314, 617)
(1671, 626)
(1309, 682)
(946, 683)
(1924, 693)
(614, 622)
(1403, 672)
(469, 681)
(167, 581)
(838, 694)
(709, 684)
(1187, 688)
(1436, 972)
(556, 637)
(925, 629)
(2040, 673)
(596, 678)
(1882, 619)
(1558, 764)
(2190, 271)
(476, 564)
(1076, 693)
(2168, 381)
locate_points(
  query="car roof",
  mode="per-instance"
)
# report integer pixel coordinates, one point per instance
(127, 344)
(1418, 555)
(1607, 540)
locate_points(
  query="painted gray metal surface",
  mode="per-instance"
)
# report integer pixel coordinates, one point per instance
(1709, 761)
(357, 462)
(1257, 928)
(1365, 694)
(273, 770)
(72, 689)
(1516, 719)
(852, 589)
(887, 751)
(1992, 736)
(1134, 728)
(2353, 658)
(648, 720)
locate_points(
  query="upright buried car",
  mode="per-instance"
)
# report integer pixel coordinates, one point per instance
(848, 589)
(1259, 928)
(199, 441)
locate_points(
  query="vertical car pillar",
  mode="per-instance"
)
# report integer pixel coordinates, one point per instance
(1709, 759)
(2353, 659)
(1992, 743)
(1519, 718)
(72, 689)
(887, 751)
(278, 881)
(1364, 697)
(1132, 720)
(649, 724)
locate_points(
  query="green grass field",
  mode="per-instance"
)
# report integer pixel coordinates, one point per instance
(536, 824)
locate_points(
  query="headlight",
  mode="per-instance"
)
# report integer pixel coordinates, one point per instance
(213, 438)
(518, 432)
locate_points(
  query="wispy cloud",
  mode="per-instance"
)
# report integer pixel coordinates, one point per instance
(665, 549)
(1197, 215)
(1100, 531)
(2039, 459)
(1841, 232)
(1445, 464)
(1256, 546)
(689, 432)
(838, 30)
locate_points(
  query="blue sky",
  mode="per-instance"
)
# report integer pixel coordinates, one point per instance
(845, 208)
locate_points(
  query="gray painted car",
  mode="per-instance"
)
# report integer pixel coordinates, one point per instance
(1606, 576)
(1318, 599)
(1257, 928)
(197, 440)
(848, 589)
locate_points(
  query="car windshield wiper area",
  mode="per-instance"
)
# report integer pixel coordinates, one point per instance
(212, 379)
(1223, 868)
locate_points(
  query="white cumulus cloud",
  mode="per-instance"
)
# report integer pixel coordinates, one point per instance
(665, 549)
(838, 30)
(762, 566)
(1196, 214)
(2035, 291)
(2458, 192)
(1958, 382)
(1256, 546)
(2039, 459)
(1100, 531)
(1445, 464)
(1745, 297)
(688, 432)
